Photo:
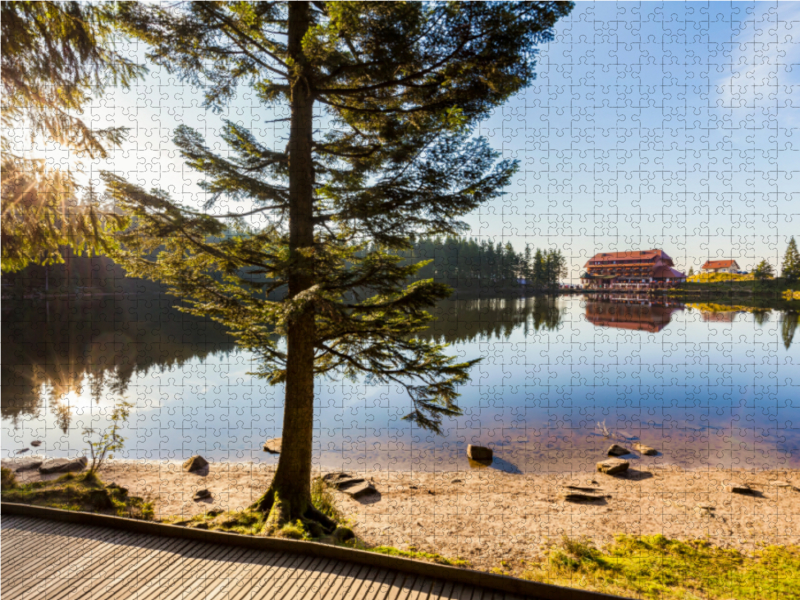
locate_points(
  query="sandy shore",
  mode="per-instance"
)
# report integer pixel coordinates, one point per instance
(487, 516)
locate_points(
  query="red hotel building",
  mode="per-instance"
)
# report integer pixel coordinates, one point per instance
(631, 270)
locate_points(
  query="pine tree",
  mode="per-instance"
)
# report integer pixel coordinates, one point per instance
(402, 86)
(539, 269)
(54, 54)
(763, 270)
(790, 269)
(527, 266)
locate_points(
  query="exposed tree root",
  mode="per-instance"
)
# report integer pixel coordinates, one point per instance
(282, 516)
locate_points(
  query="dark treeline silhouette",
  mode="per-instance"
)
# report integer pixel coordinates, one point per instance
(463, 263)
(86, 274)
(467, 264)
(55, 347)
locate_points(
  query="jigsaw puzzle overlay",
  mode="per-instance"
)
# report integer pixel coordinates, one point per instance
(650, 126)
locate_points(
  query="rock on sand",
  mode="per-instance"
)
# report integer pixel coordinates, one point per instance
(25, 464)
(612, 466)
(195, 463)
(273, 446)
(645, 449)
(63, 465)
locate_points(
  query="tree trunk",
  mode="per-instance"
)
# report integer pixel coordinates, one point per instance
(289, 497)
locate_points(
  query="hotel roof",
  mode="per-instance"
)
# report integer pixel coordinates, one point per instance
(628, 255)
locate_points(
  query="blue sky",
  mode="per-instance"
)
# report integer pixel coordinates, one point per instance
(650, 125)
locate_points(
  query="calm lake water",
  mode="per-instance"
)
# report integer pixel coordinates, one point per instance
(704, 385)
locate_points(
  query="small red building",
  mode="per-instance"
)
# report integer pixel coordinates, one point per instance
(720, 266)
(631, 270)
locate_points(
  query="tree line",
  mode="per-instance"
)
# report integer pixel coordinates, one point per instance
(469, 264)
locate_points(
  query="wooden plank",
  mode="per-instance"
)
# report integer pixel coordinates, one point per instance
(134, 554)
(250, 563)
(340, 585)
(273, 576)
(379, 586)
(224, 573)
(311, 582)
(175, 562)
(444, 593)
(96, 564)
(421, 588)
(54, 557)
(60, 573)
(188, 570)
(269, 564)
(402, 586)
(468, 592)
(149, 577)
(136, 572)
(213, 570)
(363, 581)
(277, 588)
(21, 549)
(325, 581)
(461, 592)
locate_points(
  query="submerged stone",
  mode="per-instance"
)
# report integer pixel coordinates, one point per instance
(617, 450)
(479, 453)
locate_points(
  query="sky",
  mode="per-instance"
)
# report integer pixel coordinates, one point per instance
(650, 125)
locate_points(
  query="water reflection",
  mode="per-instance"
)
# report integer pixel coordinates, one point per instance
(459, 321)
(702, 391)
(635, 313)
(54, 350)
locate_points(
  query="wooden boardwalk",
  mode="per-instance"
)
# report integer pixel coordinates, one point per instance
(51, 560)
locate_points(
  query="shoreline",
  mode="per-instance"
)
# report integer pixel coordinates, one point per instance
(492, 518)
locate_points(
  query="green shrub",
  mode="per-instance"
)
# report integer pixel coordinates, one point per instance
(9, 479)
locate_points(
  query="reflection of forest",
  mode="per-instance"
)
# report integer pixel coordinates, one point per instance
(630, 314)
(470, 320)
(52, 348)
(60, 346)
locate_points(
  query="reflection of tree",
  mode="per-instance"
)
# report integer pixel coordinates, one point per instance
(102, 344)
(471, 320)
(761, 316)
(789, 327)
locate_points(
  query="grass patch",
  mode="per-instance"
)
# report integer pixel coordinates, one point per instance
(251, 522)
(243, 522)
(9, 480)
(412, 552)
(657, 567)
(83, 492)
(323, 500)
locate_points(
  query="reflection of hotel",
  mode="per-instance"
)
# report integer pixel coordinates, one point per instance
(631, 270)
(630, 314)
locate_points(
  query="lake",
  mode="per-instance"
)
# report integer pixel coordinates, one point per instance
(706, 385)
